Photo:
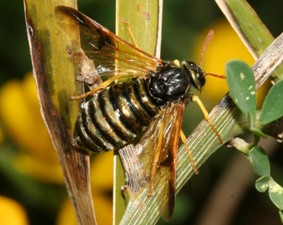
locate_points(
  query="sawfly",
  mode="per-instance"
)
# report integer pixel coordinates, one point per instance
(140, 101)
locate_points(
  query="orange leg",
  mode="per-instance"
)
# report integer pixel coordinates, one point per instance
(206, 117)
(156, 159)
(103, 85)
(184, 140)
(131, 34)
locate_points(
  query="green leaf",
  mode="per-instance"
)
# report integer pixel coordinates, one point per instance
(276, 194)
(259, 161)
(272, 108)
(241, 84)
(262, 183)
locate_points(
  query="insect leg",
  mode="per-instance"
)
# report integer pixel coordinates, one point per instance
(184, 140)
(156, 158)
(92, 91)
(196, 99)
(103, 85)
(131, 34)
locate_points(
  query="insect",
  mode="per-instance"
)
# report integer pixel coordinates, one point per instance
(140, 101)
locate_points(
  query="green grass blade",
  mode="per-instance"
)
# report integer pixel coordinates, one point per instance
(252, 31)
(143, 19)
(225, 117)
(55, 80)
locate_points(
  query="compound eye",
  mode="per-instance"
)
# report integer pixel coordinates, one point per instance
(199, 76)
(196, 74)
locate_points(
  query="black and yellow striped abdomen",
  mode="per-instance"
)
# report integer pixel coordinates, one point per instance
(115, 116)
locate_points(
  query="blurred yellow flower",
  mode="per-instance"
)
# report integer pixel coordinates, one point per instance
(21, 120)
(102, 183)
(225, 46)
(102, 171)
(20, 115)
(11, 212)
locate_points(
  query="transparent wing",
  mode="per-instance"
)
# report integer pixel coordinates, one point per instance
(157, 154)
(105, 48)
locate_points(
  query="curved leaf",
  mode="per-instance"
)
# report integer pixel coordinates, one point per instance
(272, 108)
(259, 161)
(241, 84)
(276, 194)
(262, 183)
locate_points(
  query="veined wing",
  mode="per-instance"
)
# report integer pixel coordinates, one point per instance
(158, 156)
(105, 48)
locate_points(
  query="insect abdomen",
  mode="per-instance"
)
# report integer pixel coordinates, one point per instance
(115, 116)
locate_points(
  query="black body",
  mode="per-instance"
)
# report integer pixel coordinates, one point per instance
(119, 114)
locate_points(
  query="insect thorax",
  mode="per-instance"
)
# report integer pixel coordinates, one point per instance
(170, 84)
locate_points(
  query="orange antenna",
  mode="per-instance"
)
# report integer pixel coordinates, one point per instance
(215, 75)
(208, 38)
